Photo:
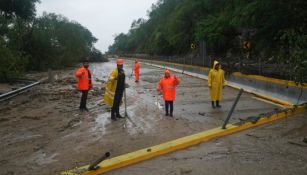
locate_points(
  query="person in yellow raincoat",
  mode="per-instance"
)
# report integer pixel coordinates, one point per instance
(216, 83)
(115, 89)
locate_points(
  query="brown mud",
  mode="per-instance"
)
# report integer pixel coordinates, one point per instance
(43, 132)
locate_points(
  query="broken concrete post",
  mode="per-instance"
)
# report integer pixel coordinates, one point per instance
(50, 76)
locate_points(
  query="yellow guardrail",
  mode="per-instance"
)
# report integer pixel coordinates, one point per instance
(181, 143)
(184, 142)
(238, 74)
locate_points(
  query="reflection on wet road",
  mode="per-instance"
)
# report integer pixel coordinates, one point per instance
(192, 104)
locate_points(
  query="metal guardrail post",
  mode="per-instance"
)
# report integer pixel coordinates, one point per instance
(232, 108)
(183, 66)
(94, 166)
(50, 76)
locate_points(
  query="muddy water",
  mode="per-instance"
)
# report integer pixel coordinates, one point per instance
(192, 103)
(43, 132)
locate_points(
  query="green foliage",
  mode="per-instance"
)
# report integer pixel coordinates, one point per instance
(56, 42)
(224, 24)
(97, 56)
(49, 41)
(294, 53)
(12, 63)
(24, 9)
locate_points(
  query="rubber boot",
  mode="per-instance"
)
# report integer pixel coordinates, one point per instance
(217, 104)
(113, 117)
(119, 116)
(85, 109)
(212, 103)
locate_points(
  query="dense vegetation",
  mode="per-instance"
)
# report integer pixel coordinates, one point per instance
(276, 30)
(28, 42)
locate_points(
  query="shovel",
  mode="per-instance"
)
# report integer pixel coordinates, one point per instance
(125, 98)
(131, 74)
(126, 113)
(157, 103)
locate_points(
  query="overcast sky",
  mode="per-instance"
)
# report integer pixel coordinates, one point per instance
(104, 18)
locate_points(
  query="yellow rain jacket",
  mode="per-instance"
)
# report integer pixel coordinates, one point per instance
(110, 88)
(216, 81)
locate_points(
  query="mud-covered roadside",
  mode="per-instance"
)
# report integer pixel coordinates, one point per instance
(43, 132)
(33, 125)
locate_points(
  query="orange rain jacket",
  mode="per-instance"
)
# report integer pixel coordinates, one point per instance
(137, 71)
(168, 86)
(84, 83)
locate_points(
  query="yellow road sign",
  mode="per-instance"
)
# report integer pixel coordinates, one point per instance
(193, 46)
(247, 45)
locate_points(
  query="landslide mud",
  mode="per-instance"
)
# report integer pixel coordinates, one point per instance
(43, 132)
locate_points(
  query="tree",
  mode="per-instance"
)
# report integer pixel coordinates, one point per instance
(57, 42)
(15, 17)
(24, 9)
(12, 63)
(225, 24)
(49, 41)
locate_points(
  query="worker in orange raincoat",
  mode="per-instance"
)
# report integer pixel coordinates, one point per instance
(216, 83)
(84, 83)
(115, 89)
(137, 70)
(168, 87)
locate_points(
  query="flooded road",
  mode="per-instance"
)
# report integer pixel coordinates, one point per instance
(43, 132)
(192, 105)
